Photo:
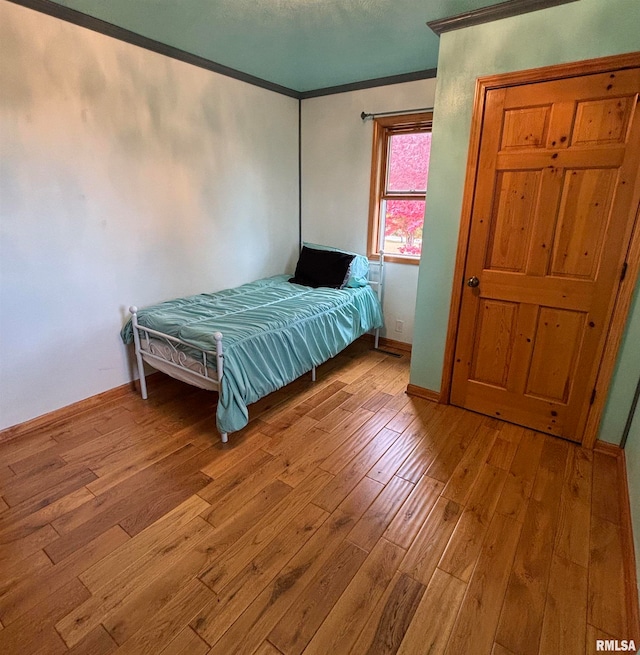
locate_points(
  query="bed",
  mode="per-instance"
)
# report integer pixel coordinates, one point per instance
(249, 341)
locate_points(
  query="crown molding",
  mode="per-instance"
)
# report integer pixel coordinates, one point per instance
(369, 84)
(491, 13)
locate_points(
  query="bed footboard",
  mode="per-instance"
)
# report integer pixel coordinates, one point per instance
(183, 361)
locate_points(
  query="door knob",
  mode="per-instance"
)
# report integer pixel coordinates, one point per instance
(473, 282)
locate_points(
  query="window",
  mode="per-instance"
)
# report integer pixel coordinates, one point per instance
(400, 162)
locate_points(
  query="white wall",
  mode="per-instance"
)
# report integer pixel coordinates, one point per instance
(336, 170)
(125, 177)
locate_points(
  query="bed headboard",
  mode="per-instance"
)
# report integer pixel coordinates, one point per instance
(376, 275)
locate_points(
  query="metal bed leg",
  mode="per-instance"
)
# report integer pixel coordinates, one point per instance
(136, 340)
(313, 374)
(376, 341)
(143, 380)
(224, 437)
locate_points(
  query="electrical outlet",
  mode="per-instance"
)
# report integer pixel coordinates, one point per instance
(399, 326)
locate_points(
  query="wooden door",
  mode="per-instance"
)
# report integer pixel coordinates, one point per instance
(555, 200)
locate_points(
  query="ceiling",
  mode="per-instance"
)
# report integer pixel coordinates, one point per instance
(299, 44)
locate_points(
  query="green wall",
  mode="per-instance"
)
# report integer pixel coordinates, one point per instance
(580, 30)
(625, 378)
(632, 452)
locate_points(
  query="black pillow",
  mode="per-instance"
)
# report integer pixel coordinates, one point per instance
(322, 268)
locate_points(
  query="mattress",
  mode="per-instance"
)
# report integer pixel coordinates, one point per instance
(273, 332)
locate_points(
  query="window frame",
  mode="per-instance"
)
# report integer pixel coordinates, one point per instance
(384, 127)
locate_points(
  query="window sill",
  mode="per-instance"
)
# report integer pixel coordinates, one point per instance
(396, 259)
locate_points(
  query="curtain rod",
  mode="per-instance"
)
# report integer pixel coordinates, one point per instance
(364, 115)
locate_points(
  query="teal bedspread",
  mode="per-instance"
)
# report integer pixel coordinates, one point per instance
(273, 332)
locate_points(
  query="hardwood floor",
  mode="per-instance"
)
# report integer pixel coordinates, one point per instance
(346, 518)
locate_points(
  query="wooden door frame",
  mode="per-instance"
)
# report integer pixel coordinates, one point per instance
(626, 289)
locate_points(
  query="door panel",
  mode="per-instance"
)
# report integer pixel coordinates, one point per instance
(516, 197)
(603, 121)
(583, 220)
(559, 334)
(525, 128)
(497, 327)
(551, 222)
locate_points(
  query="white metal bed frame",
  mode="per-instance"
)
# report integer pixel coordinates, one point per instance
(149, 345)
